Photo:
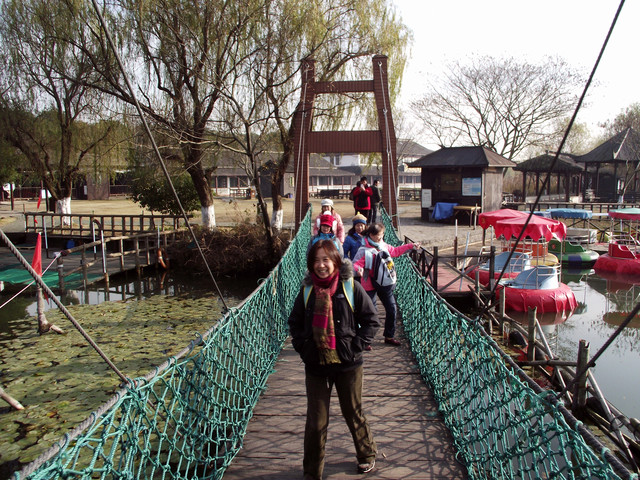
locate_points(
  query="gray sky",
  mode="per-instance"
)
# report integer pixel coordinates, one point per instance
(447, 30)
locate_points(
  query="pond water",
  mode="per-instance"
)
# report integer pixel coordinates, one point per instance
(603, 303)
(126, 287)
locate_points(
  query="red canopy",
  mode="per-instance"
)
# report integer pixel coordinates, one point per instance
(537, 228)
(489, 219)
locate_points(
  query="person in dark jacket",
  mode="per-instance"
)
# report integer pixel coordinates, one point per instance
(353, 241)
(330, 328)
(376, 198)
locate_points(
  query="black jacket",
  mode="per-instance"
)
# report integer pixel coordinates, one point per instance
(353, 328)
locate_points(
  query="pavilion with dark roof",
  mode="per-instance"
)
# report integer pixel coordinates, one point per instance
(566, 176)
(465, 176)
(611, 169)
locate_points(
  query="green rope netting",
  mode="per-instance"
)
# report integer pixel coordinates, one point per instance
(188, 418)
(502, 427)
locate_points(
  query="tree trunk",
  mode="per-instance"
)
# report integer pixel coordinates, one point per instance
(277, 181)
(63, 206)
(208, 216)
(202, 186)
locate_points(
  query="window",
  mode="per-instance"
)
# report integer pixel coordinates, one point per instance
(221, 182)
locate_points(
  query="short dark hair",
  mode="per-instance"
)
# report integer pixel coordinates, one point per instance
(363, 178)
(374, 229)
(330, 248)
(375, 181)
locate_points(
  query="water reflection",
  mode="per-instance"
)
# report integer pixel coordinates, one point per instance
(604, 302)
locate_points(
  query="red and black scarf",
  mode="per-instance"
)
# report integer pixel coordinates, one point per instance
(323, 328)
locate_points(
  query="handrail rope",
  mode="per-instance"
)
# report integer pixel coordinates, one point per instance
(155, 146)
(62, 308)
(390, 165)
(554, 160)
(30, 283)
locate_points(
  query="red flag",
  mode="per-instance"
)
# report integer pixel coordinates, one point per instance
(36, 263)
(39, 200)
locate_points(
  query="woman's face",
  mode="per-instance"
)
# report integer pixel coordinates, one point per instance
(326, 208)
(323, 267)
(377, 237)
(359, 227)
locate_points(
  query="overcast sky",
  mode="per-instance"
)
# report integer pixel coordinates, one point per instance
(447, 30)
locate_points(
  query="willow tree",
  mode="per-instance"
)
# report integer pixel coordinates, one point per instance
(180, 54)
(44, 99)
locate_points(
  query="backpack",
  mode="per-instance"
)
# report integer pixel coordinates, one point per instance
(380, 267)
(352, 197)
(347, 287)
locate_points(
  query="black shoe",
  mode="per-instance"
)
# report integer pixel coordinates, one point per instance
(366, 467)
(392, 341)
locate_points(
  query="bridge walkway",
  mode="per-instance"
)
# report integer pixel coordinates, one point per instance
(413, 441)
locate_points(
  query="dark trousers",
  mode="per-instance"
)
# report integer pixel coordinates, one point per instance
(385, 294)
(373, 213)
(349, 389)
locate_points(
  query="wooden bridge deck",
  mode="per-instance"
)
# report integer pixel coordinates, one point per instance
(413, 441)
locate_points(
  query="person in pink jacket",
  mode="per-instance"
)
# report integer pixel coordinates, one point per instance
(374, 243)
(338, 228)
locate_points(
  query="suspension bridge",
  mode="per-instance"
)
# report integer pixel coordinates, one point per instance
(225, 407)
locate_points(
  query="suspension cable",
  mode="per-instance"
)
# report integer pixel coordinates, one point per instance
(155, 147)
(62, 308)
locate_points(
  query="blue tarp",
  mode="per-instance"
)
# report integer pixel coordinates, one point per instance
(570, 213)
(443, 210)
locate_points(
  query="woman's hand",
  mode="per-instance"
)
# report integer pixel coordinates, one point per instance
(416, 245)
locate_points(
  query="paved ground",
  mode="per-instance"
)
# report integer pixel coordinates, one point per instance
(228, 211)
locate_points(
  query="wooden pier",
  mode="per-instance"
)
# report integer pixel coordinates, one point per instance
(413, 441)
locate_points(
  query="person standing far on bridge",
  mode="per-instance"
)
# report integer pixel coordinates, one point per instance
(362, 198)
(373, 263)
(331, 322)
(327, 232)
(376, 198)
(327, 206)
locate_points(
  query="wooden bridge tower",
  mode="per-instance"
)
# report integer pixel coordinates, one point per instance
(307, 141)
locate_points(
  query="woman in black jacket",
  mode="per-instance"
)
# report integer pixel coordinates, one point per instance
(332, 321)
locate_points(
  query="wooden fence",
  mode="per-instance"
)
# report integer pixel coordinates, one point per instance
(88, 224)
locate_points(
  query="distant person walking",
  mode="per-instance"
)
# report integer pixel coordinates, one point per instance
(353, 242)
(372, 263)
(376, 198)
(327, 207)
(327, 232)
(362, 198)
